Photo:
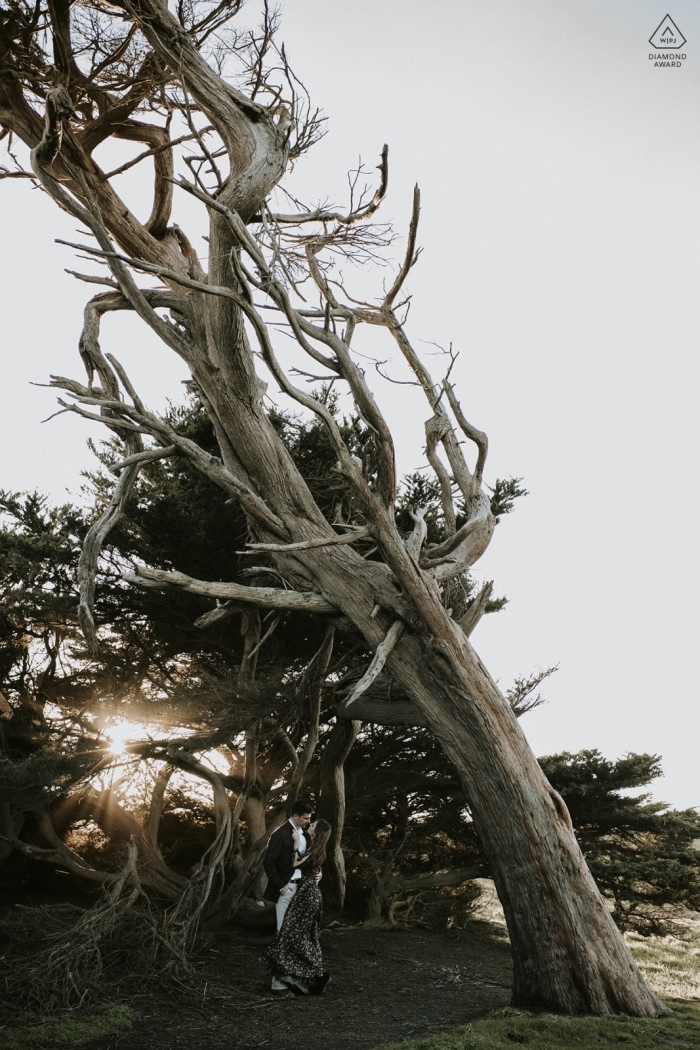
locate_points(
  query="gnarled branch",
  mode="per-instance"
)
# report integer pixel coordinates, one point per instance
(258, 597)
(384, 649)
(93, 543)
(320, 215)
(306, 545)
(457, 553)
(137, 418)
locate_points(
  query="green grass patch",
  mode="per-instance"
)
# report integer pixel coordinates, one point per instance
(505, 1029)
(69, 1030)
(671, 965)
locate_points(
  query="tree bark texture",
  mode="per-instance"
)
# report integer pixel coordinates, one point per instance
(255, 822)
(332, 808)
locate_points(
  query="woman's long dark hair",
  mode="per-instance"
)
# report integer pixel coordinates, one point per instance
(322, 833)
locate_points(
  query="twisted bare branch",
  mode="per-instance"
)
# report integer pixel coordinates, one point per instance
(94, 541)
(358, 215)
(258, 597)
(384, 649)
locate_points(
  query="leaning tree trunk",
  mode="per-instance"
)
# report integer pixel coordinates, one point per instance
(568, 954)
(332, 808)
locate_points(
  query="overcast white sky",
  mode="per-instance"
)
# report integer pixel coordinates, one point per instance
(559, 172)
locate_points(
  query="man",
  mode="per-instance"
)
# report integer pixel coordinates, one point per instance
(282, 876)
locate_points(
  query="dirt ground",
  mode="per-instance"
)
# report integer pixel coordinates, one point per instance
(385, 986)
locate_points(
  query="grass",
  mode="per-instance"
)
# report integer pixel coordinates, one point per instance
(67, 1031)
(670, 964)
(504, 1029)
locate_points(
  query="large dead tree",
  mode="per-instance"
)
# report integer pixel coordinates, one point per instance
(75, 74)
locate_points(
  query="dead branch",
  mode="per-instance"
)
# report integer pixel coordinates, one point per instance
(58, 853)
(457, 553)
(346, 460)
(435, 430)
(59, 107)
(149, 456)
(251, 628)
(477, 436)
(342, 363)
(156, 807)
(276, 620)
(221, 612)
(138, 419)
(312, 680)
(411, 256)
(94, 541)
(148, 153)
(477, 609)
(259, 597)
(379, 712)
(92, 218)
(365, 212)
(384, 649)
(196, 896)
(161, 151)
(396, 884)
(417, 538)
(305, 545)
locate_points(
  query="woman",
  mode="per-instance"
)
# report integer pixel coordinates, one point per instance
(295, 954)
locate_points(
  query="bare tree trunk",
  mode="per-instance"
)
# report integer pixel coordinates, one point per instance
(255, 824)
(568, 954)
(374, 912)
(332, 808)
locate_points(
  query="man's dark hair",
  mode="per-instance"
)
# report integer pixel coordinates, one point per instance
(300, 807)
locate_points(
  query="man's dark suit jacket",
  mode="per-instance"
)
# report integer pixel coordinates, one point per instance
(279, 860)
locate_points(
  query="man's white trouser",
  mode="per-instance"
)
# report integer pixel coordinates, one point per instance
(281, 910)
(283, 902)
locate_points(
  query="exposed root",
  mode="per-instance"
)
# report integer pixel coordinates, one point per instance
(61, 957)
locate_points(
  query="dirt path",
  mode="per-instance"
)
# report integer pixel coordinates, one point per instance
(386, 986)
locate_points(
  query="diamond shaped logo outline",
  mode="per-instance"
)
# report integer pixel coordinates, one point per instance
(672, 30)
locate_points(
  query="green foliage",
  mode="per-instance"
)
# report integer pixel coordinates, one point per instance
(640, 852)
(177, 519)
(422, 491)
(504, 1029)
(405, 807)
(504, 494)
(40, 778)
(39, 551)
(406, 814)
(40, 759)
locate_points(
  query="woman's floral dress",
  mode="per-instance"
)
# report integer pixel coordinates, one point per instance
(296, 950)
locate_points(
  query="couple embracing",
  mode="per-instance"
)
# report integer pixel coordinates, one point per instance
(293, 861)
